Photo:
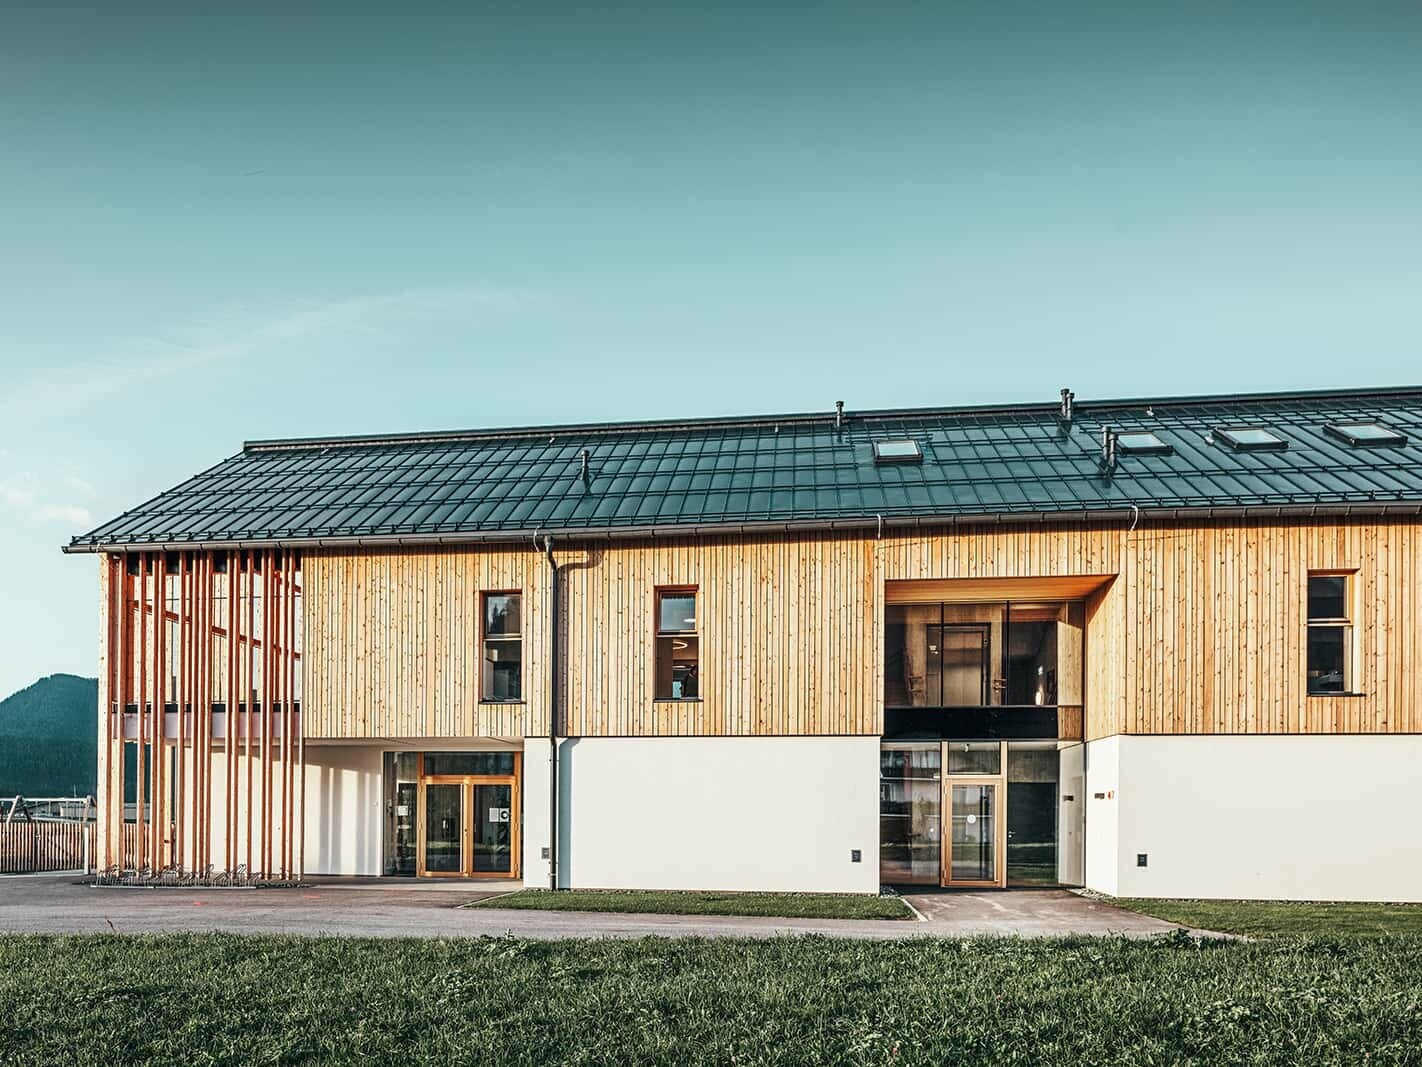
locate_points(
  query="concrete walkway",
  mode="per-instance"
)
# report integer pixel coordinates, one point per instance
(55, 904)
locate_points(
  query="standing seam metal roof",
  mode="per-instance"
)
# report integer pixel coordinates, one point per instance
(995, 462)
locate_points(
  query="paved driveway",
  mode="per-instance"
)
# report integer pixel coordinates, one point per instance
(55, 904)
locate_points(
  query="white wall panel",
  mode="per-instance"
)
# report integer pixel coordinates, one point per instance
(345, 815)
(776, 814)
(1278, 818)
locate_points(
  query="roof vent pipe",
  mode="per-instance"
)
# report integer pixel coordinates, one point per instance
(583, 458)
(1067, 397)
(838, 414)
(1108, 448)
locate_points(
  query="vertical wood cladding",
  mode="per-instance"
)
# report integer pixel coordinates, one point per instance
(1201, 631)
(199, 695)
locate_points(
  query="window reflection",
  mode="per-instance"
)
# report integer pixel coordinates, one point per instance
(977, 655)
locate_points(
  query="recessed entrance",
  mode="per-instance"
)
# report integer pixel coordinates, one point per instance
(981, 814)
(470, 827)
(456, 816)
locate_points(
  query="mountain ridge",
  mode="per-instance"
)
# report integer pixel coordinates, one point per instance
(48, 738)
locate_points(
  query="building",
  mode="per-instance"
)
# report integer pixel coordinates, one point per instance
(1155, 647)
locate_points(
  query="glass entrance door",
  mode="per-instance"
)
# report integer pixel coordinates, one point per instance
(443, 842)
(469, 824)
(493, 833)
(973, 858)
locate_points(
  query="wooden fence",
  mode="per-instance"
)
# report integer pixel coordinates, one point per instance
(27, 847)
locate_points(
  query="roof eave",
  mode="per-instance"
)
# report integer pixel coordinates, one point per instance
(860, 522)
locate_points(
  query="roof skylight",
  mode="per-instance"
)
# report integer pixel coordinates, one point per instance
(1251, 439)
(1366, 434)
(899, 450)
(1141, 441)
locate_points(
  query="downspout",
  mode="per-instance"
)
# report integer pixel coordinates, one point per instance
(553, 695)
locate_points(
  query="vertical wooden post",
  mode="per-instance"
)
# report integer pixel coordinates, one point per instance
(202, 721)
(141, 755)
(157, 800)
(249, 664)
(229, 742)
(288, 722)
(104, 727)
(181, 636)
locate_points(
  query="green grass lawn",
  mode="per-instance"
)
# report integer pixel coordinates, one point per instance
(225, 999)
(781, 905)
(1262, 918)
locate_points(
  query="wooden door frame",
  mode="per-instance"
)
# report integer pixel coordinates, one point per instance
(468, 784)
(999, 781)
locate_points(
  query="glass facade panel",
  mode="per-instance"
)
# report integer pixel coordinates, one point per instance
(974, 757)
(444, 828)
(401, 797)
(462, 763)
(1018, 654)
(910, 796)
(493, 813)
(974, 857)
(1033, 771)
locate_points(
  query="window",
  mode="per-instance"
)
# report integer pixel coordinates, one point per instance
(678, 647)
(467, 763)
(503, 646)
(1250, 439)
(1141, 441)
(905, 450)
(1366, 434)
(960, 655)
(1330, 634)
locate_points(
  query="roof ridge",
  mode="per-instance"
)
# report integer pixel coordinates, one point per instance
(748, 421)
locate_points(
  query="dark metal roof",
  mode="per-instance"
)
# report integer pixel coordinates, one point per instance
(980, 463)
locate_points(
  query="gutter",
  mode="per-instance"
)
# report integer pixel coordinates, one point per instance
(860, 522)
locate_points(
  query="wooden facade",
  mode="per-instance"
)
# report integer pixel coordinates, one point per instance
(199, 698)
(1190, 628)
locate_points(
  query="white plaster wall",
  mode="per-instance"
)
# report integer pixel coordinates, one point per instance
(535, 808)
(1071, 815)
(775, 814)
(345, 810)
(1102, 798)
(1280, 818)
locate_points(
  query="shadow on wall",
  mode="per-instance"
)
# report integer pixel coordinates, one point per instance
(565, 813)
(346, 834)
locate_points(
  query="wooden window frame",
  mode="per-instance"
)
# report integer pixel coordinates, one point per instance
(1348, 624)
(658, 633)
(485, 638)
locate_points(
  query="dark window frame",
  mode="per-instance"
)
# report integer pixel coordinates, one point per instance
(659, 634)
(1225, 435)
(1339, 432)
(882, 459)
(1161, 447)
(486, 639)
(1344, 625)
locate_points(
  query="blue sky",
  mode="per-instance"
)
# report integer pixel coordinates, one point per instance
(218, 227)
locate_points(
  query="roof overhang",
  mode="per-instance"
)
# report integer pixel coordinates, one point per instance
(877, 523)
(974, 590)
